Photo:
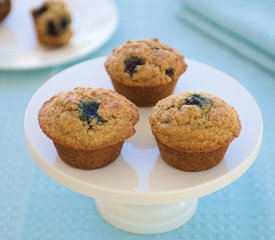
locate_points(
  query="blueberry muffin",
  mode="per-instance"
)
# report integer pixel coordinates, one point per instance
(193, 130)
(145, 71)
(5, 7)
(88, 126)
(53, 24)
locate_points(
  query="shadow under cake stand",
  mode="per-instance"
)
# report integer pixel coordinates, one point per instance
(139, 192)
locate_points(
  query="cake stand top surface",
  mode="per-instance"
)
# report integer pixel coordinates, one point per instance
(139, 175)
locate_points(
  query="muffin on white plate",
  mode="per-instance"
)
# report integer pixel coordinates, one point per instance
(194, 129)
(52, 22)
(88, 126)
(145, 71)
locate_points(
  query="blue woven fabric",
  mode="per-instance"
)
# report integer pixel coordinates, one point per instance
(33, 206)
(245, 26)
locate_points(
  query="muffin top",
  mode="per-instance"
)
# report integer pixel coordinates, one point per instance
(193, 121)
(145, 63)
(88, 118)
(52, 18)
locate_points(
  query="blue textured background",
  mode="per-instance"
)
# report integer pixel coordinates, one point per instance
(32, 206)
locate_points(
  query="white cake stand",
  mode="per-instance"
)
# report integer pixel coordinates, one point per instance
(139, 192)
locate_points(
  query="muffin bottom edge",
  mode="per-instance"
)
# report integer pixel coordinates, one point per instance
(191, 161)
(54, 41)
(89, 159)
(144, 96)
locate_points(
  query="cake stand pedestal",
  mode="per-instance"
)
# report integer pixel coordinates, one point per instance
(147, 219)
(139, 192)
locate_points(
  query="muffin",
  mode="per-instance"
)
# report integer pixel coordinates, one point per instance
(52, 23)
(88, 126)
(145, 71)
(193, 130)
(5, 7)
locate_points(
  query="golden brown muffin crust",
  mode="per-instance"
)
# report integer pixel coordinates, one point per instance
(194, 122)
(88, 118)
(145, 63)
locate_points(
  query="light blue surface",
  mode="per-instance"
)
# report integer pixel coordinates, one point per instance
(245, 26)
(32, 206)
(252, 20)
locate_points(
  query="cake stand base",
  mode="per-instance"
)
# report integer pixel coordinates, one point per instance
(147, 219)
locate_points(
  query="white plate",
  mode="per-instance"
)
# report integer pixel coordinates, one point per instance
(139, 175)
(93, 23)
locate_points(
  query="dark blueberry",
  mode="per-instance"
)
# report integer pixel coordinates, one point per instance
(88, 110)
(198, 100)
(52, 28)
(64, 22)
(169, 72)
(131, 64)
(40, 11)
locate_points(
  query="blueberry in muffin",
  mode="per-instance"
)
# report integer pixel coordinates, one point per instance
(89, 112)
(197, 99)
(131, 64)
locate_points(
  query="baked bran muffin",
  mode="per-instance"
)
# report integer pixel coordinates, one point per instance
(52, 22)
(193, 130)
(5, 7)
(88, 126)
(145, 71)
